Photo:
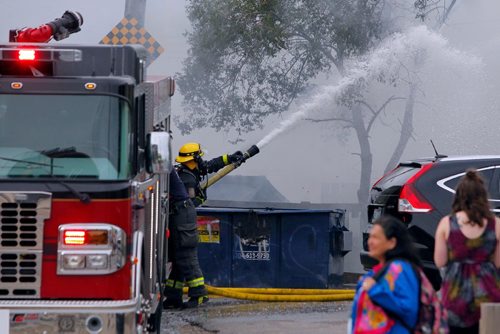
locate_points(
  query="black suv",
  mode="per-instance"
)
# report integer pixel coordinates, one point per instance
(420, 193)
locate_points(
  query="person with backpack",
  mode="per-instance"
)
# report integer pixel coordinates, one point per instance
(467, 247)
(387, 297)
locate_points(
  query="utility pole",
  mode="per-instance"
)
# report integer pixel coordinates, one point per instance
(136, 9)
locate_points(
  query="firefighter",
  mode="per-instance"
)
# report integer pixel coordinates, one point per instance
(185, 190)
(183, 251)
(192, 169)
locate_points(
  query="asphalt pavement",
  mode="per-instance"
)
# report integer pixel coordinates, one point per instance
(231, 316)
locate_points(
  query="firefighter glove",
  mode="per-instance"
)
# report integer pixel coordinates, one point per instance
(198, 200)
(235, 157)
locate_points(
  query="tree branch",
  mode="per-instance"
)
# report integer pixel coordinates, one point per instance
(377, 112)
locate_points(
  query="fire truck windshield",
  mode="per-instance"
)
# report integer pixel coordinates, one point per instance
(66, 136)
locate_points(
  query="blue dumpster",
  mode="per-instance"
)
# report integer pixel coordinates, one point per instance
(272, 248)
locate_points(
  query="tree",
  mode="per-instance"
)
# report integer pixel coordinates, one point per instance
(252, 58)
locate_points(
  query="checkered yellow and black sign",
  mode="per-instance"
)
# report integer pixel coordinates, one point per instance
(129, 31)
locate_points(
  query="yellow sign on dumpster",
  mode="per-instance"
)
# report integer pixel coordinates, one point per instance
(209, 229)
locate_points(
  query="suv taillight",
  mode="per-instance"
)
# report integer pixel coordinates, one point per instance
(410, 200)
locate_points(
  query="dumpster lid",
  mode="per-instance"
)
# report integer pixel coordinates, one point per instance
(265, 210)
(268, 207)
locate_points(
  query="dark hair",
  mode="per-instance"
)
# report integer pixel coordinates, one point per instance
(394, 228)
(471, 196)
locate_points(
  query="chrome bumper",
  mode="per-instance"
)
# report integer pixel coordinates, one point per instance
(38, 316)
(77, 316)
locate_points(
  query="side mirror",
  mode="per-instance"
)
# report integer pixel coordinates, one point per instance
(158, 157)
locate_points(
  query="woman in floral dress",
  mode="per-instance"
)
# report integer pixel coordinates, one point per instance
(467, 247)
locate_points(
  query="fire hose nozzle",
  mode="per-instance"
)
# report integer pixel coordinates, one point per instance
(253, 150)
(69, 23)
(60, 28)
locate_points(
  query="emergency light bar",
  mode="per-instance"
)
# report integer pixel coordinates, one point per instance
(40, 54)
(27, 54)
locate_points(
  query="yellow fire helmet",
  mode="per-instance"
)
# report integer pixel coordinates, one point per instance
(188, 152)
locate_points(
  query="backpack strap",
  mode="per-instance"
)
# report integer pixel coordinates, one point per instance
(393, 315)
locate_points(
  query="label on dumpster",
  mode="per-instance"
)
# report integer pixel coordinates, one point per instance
(253, 250)
(209, 229)
(254, 256)
(252, 239)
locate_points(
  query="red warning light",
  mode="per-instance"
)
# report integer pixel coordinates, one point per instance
(74, 237)
(26, 54)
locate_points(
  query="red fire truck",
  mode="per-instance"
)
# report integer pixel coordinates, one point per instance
(84, 162)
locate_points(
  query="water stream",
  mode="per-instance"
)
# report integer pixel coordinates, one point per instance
(395, 54)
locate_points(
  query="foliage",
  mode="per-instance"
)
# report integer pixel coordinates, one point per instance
(433, 10)
(251, 58)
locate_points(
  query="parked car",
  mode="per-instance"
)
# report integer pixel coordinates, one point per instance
(420, 192)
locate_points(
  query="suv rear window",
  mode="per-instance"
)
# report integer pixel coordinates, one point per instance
(451, 182)
(397, 177)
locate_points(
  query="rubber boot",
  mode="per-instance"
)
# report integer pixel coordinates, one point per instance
(194, 302)
(173, 303)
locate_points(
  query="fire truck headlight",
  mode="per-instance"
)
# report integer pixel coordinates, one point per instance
(97, 261)
(90, 249)
(74, 261)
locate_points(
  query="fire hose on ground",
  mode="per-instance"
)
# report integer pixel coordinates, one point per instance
(282, 295)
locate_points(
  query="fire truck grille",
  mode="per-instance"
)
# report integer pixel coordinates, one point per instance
(22, 215)
(20, 274)
(19, 225)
